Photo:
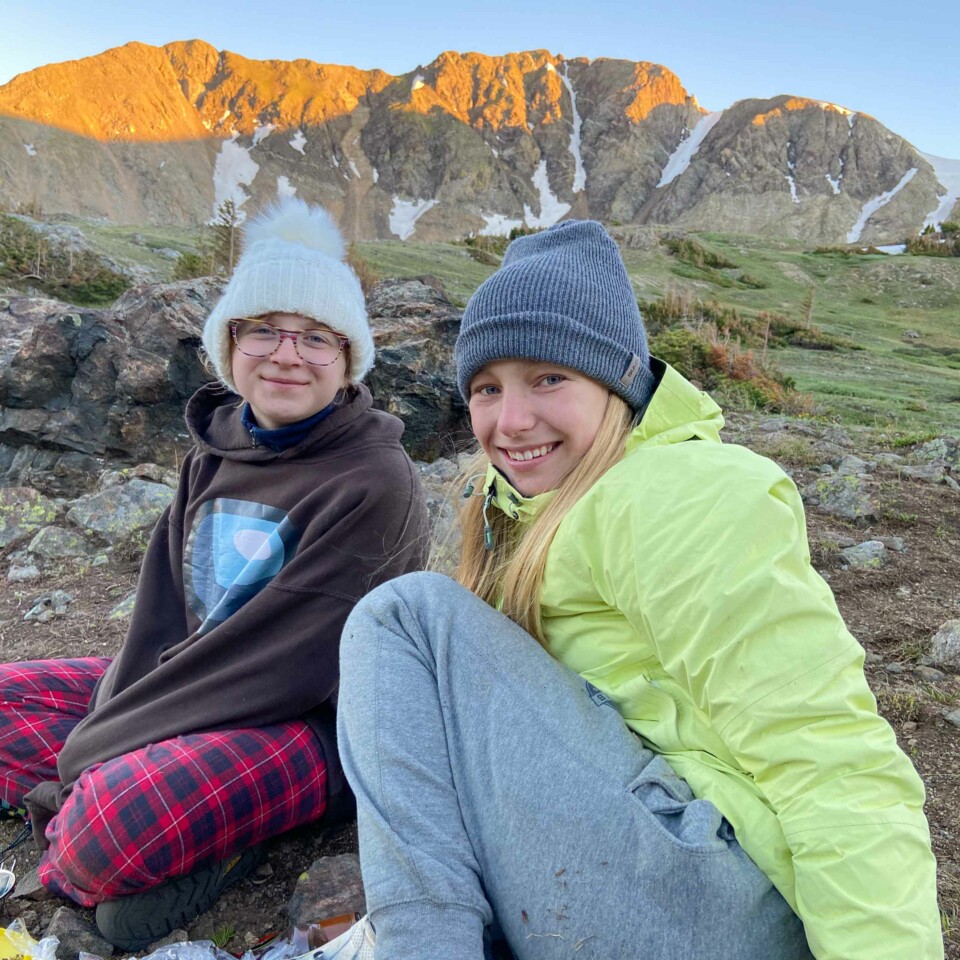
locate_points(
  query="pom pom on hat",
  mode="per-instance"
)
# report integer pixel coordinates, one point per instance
(295, 221)
(292, 262)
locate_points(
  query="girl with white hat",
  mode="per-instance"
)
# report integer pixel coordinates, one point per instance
(153, 779)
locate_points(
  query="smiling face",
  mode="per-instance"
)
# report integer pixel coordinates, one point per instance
(534, 420)
(283, 388)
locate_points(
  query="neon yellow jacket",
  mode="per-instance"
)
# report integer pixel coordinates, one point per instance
(681, 587)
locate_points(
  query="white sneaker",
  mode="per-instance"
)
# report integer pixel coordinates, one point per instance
(357, 943)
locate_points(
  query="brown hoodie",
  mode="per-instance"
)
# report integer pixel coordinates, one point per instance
(246, 584)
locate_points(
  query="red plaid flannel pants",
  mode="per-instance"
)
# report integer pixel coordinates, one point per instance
(157, 812)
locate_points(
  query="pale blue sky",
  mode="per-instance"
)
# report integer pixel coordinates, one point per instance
(896, 61)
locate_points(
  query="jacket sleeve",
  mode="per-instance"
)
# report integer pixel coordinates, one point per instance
(723, 590)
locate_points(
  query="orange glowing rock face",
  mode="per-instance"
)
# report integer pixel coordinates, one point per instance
(190, 91)
(654, 85)
(184, 91)
(516, 90)
(791, 104)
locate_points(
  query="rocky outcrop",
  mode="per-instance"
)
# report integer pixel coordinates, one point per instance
(84, 389)
(466, 144)
(79, 388)
(415, 327)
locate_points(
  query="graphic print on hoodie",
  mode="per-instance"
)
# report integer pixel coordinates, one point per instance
(236, 547)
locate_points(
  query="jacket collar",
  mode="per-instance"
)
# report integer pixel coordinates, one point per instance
(499, 492)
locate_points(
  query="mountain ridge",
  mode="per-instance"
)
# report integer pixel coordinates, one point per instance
(468, 143)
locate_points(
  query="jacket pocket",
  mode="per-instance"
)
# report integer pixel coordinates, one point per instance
(667, 804)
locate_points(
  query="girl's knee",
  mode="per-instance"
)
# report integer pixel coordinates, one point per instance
(82, 859)
(389, 604)
(100, 838)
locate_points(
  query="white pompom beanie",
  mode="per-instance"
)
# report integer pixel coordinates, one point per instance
(292, 262)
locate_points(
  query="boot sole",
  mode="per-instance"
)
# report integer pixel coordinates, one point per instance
(133, 922)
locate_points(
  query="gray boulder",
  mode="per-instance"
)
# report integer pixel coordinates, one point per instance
(927, 472)
(76, 936)
(849, 465)
(869, 555)
(945, 646)
(945, 449)
(119, 514)
(842, 496)
(78, 387)
(58, 543)
(23, 511)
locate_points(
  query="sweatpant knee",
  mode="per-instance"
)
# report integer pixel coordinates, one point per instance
(393, 603)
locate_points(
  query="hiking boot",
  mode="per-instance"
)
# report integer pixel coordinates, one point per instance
(137, 920)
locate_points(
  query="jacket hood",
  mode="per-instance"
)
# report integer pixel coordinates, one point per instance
(677, 411)
(213, 419)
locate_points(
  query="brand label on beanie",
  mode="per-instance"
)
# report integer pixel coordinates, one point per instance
(631, 373)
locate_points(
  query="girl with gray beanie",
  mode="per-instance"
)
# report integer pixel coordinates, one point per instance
(153, 779)
(637, 727)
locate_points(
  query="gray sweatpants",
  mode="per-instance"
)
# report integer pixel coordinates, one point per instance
(492, 782)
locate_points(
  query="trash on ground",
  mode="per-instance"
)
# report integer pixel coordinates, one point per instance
(16, 943)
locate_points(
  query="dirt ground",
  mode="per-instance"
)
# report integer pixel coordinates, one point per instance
(893, 611)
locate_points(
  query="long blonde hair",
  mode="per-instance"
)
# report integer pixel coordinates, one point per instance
(511, 574)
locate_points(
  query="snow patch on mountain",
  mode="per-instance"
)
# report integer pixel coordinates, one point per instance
(285, 188)
(681, 157)
(948, 174)
(793, 183)
(551, 207)
(579, 173)
(262, 132)
(234, 170)
(299, 141)
(405, 214)
(498, 225)
(876, 203)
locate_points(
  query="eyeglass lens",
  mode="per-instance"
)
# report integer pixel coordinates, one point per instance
(256, 338)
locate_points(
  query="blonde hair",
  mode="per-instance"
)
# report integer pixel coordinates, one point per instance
(511, 574)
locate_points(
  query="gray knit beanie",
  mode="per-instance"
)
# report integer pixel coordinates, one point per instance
(562, 296)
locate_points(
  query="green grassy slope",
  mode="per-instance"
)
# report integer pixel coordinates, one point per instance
(901, 384)
(904, 384)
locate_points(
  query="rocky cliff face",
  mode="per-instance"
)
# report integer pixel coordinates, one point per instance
(80, 389)
(468, 143)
